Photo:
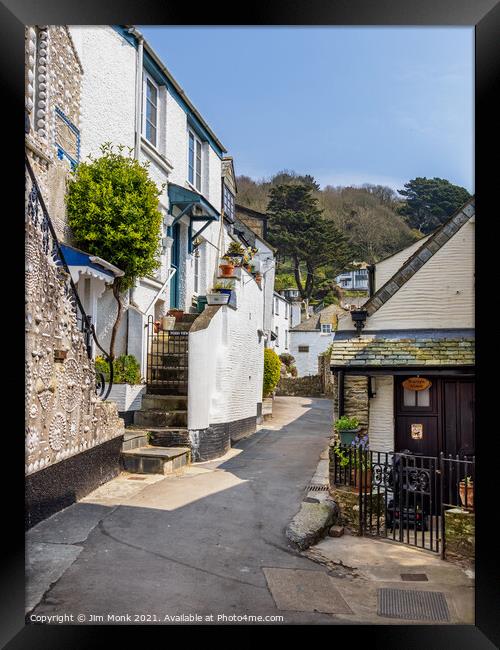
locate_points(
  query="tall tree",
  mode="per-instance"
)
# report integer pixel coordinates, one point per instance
(299, 230)
(429, 202)
(113, 213)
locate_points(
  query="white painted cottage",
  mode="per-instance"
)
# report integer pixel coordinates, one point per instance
(312, 337)
(214, 366)
(404, 363)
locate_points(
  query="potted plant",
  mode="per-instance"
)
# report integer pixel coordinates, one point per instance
(225, 286)
(168, 323)
(466, 488)
(226, 266)
(347, 428)
(216, 297)
(127, 389)
(355, 458)
(236, 252)
(177, 313)
(258, 277)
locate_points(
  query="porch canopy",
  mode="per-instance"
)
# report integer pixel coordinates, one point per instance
(90, 266)
(403, 352)
(193, 205)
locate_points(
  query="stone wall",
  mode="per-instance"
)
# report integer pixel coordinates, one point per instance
(356, 402)
(309, 386)
(325, 374)
(460, 529)
(53, 75)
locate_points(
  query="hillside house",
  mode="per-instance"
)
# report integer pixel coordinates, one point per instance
(312, 337)
(404, 362)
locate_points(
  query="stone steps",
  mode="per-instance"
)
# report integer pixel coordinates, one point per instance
(156, 460)
(160, 418)
(164, 402)
(162, 436)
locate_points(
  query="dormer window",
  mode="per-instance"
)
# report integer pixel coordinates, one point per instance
(326, 328)
(150, 111)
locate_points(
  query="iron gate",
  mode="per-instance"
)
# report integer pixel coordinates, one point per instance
(403, 496)
(167, 360)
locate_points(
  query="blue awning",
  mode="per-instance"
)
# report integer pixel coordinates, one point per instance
(186, 199)
(81, 263)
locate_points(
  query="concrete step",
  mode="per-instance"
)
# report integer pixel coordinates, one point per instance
(160, 418)
(164, 402)
(134, 438)
(164, 436)
(156, 460)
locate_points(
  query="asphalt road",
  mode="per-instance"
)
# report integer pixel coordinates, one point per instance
(194, 545)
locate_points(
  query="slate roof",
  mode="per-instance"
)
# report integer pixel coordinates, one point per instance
(431, 246)
(407, 348)
(329, 314)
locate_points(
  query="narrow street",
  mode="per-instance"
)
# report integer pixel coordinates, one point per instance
(192, 544)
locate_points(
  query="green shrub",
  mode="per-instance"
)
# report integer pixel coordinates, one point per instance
(346, 424)
(126, 369)
(272, 365)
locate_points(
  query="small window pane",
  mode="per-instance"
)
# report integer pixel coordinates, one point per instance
(191, 159)
(423, 397)
(198, 165)
(409, 397)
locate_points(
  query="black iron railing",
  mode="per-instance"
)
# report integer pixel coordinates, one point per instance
(38, 216)
(403, 496)
(167, 362)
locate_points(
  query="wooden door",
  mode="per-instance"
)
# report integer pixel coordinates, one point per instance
(458, 416)
(417, 418)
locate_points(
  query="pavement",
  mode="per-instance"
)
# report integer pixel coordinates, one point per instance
(209, 546)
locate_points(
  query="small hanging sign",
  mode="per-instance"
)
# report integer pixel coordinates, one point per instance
(416, 383)
(417, 431)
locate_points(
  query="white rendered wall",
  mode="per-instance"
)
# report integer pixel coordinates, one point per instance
(381, 415)
(226, 362)
(307, 362)
(281, 323)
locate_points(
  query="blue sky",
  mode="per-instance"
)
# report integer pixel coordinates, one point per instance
(347, 105)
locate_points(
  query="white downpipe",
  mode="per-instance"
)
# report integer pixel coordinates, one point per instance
(138, 90)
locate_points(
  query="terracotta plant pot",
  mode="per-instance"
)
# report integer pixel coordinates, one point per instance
(178, 313)
(469, 501)
(361, 480)
(226, 270)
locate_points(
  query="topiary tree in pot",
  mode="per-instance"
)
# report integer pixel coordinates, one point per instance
(113, 212)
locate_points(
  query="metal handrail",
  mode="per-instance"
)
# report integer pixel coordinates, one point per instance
(88, 328)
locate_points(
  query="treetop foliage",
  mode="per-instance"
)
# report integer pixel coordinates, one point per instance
(113, 213)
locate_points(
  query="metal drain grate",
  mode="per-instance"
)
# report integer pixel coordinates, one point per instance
(412, 605)
(414, 577)
(315, 487)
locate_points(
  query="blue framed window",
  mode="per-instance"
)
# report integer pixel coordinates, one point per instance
(66, 139)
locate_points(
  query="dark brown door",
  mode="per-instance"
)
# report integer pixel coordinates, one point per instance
(417, 418)
(458, 416)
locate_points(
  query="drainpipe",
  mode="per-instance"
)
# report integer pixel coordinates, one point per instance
(138, 89)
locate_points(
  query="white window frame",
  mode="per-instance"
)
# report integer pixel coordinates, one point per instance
(277, 332)
(147, 78)
(277, 307)
(328, 329)
(197, 143)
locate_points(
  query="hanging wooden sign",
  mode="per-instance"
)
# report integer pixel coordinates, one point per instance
(416, 383)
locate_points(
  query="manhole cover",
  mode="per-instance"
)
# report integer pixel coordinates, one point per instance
(412, 605)
(414, 577)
